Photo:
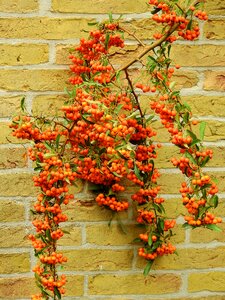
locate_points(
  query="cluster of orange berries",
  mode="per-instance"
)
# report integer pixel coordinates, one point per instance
(111, 202)
(164, 249)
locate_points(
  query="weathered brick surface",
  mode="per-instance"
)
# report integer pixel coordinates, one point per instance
(213, 30)
(43, 28)
(122, 284)
(23, 54)
(214, 81)
(16, 6)
(14, 263)
(12, 211)
(97, 260)
(13, 237)
(17, 288)
(13, 158)
(208, 281)
(99, 6)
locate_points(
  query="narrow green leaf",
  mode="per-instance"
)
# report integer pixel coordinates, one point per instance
(137, 172)
(186, 226)
(214, 201)
(57, 141)
(205, 160)
(22, 104)
(202, 130)
(57, 293)
(110, 17)
(214, 227)
(148, 267)
(191, 158)
(150, 240)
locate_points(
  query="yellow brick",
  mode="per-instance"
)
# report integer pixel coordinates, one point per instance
(43, 28)
(19, 235)
(18, 6)
(112, 235)
(214, 81)
(210, 281)
(23, 54)
(198, 55)
(214, 131)
(174, 208)
(206, 105)
(9, 106)
(215, 7)
(93, 260)
(86, 210)
(63, 52)
(48, 105)
(17, 185)
(26, 80)
(170, 183)
(74, 237)
(213, 30)
(134, 284)
(191, 258)
(202, 235)
(17, 288)
(99, 6)
(12, 158)
(14, 263)
(74, 286)
(11, 211)
(6, 135)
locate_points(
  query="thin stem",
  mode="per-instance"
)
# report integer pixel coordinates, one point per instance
(133, 35)
(133, 92)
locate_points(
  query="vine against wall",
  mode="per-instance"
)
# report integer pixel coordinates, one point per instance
(106, 139)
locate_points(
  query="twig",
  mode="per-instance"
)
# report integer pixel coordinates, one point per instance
(132, 34)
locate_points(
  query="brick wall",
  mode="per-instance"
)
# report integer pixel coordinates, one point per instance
(35, 36)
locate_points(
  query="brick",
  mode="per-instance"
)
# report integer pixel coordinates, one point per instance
(198, 55)
(11, 211)
(216, 7)
(170, 183)
(214, 81)
(14, 263)
(43, 28)
(86, 209)
(213, 30)
(214, 131)
(99, 6)
(23, 54)
(17, 185)
(19, 235)
(48, 105)
(74, 285)
(201, 235)
(112, 235)
(74, 238)
(210, 281)
(96, 260)
(17, 288)
(174, 208)
(26, 80)
(124, 284)
(206, 105)
(190, 258)
(9, 106)
(6, 135)
(12, 158)
(62, 53)
(19, 6)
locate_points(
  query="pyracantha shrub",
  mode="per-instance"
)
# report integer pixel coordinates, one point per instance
(107, 139)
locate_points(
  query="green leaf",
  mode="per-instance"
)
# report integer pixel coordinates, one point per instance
(137, 240)
(117, 175)
(65, 231)
(137, 172)
(107, 40)
(110, 17)
(22, 104)
(57, 141)
(187, 106)
(48, 235)
(205, 160)
(213, 227)
(92, 23)
(214, 201)
(202, 130)
(148, 267)
(186, 226)
(57, 293)
(192, 159)
(118, 109)
(150, 240)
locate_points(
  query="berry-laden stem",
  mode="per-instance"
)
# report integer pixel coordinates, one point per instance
(105, 138)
